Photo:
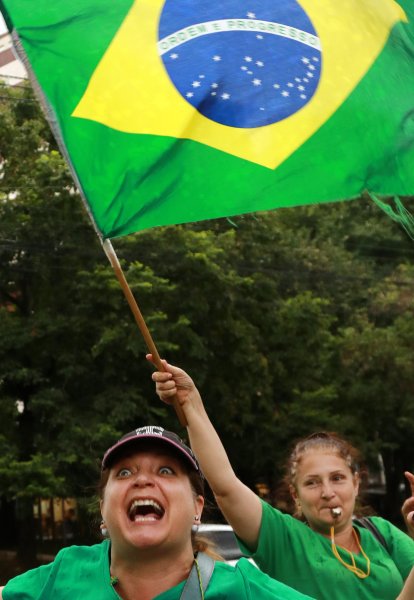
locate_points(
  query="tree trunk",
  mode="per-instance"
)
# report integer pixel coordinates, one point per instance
(26, 534)
(26, 526)
(393, 463)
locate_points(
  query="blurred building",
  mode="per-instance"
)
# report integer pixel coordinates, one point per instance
(12, 71)
(56, 523)
(56, 519)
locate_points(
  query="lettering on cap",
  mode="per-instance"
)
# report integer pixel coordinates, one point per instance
(149, 430)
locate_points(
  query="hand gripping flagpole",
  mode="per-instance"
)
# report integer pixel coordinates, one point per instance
(113, 259)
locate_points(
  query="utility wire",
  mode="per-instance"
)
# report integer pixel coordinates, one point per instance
(16, 86)
(11, 99)
(5, 75)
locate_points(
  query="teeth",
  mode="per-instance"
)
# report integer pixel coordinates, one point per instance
(135, 514)
(146, 503)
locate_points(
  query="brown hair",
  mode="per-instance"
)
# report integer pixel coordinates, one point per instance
(199, 543)
(321, 440)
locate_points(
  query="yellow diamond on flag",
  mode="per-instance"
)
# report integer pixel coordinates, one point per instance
(131, 90)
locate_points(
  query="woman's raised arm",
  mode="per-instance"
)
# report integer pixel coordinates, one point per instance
(408, 506)
(407, 592)
(238, 503)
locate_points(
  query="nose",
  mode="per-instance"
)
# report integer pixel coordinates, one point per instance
(143, 479)
(327, 491)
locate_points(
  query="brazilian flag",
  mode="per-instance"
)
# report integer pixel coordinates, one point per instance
(171, 111)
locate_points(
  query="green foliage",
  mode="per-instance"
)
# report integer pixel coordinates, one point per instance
(290, 321)
(30, 478)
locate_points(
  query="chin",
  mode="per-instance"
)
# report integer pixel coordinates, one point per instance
(143, 536)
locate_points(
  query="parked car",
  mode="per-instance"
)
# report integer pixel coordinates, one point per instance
(224, 540)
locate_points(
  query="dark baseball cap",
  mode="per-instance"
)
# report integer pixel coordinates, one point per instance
(152, 432)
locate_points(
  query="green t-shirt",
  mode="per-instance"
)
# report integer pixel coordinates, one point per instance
(82, 573)
(291, 552)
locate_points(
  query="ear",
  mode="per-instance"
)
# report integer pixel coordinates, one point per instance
(356, 483)
(101, 503)
(198, 505)
(293, 492)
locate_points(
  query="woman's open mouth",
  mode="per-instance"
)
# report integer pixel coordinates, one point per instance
(145, 510)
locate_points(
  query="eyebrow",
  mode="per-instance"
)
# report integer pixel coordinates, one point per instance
(336, 472)
(162, 460)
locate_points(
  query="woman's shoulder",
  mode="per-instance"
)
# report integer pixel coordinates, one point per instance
(392, 537)
(91, 550)
(272, 514)
(91, 553)
(245, 580)
(64, 562)
(385, 527)
(69, 568)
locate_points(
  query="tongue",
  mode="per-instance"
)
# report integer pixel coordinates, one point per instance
(146, 516)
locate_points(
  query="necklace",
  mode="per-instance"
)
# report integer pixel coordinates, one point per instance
(353, 568)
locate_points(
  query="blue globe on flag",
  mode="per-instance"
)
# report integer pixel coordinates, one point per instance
(237, 67)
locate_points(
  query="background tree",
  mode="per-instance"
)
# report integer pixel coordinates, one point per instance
(64, 327)
(289, 321)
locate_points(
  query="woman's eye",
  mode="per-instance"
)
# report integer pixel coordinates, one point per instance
(310, 482)
(124, 473)
(166, 471)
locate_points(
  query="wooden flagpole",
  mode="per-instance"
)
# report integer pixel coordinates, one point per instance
(106, 244)
(113, 259)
